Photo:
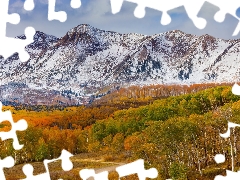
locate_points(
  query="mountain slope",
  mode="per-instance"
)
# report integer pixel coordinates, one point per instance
(87, 59)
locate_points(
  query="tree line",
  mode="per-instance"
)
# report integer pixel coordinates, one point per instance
(179, 135)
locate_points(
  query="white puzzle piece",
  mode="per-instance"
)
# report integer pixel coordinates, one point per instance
(192, 9)
(66, 166)
(21, 125)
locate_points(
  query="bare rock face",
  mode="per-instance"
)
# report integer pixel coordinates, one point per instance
(84, 61)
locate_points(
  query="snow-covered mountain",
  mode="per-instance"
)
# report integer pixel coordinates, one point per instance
(87, 60)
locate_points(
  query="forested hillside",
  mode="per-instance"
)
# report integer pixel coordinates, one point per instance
(177, 134)
(71, 69)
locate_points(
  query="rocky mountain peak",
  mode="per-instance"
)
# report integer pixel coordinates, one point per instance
(88, 60)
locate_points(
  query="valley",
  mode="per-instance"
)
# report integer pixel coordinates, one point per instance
(87, 63)
(178, 134)
(111, 98)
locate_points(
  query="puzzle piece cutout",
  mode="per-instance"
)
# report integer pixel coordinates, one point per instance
(230, 125)
(29, 5)
(9, 46)
(137, 167)
(230, 175)
(7, 162)
(236, 89)
(227, 7)
(75, 4)
(61, 15)
(192, 9)
(87, 173)
(52, 14)
(66, 166)
(220, 158)
(139, 12)
(21, 125)
(229, 23)
(176, 21)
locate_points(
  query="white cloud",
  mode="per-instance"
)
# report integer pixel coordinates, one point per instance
(98, 14)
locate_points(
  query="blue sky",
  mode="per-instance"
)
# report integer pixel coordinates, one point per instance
(98, 13)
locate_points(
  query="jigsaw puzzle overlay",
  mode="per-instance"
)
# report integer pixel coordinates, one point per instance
(66, 166)
(192, 8)
(8, 46)
(21, 125)
(8, 162)
(220, 158)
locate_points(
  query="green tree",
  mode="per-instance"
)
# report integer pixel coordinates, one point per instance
(178, 171)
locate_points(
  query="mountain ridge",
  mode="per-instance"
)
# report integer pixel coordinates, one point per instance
(86, 60)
